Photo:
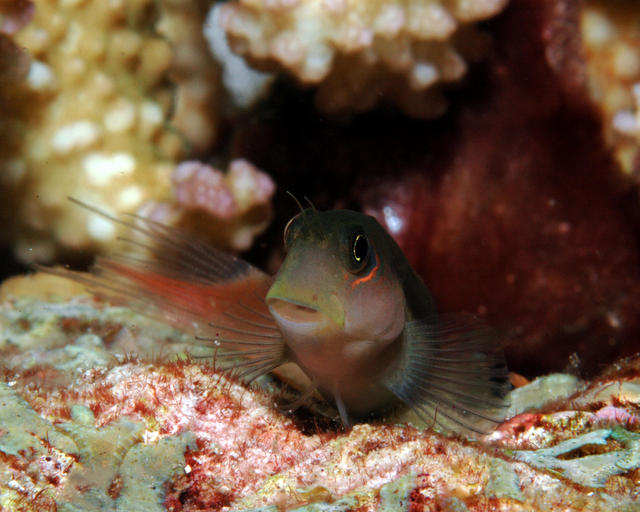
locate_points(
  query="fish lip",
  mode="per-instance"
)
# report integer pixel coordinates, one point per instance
(291, 311)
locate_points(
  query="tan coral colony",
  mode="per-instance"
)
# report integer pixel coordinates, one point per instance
(358, 51)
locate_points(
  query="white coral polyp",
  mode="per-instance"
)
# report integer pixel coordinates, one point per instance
(354, 47)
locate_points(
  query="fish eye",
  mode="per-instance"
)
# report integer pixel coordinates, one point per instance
(359, 251)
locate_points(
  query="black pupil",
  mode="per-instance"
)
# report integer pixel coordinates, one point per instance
(360, 248)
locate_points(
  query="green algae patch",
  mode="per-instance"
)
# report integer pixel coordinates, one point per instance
(344, 504)
(503, 481)
(145, 470)
(556, 386)
(590, 470)
(119, 473)
(99, 469)
(23, 431)
(394, 496)
(101, 454)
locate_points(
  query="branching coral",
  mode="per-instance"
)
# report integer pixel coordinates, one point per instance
(193, 70)
(102, 103)
(243, 84)
(611, 39)
(359, 51)
(92, 119)
(14, 67)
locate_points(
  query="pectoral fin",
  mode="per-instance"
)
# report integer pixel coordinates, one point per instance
(453, 375)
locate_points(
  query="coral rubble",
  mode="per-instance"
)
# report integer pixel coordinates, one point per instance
(358, 51)
(134, 433)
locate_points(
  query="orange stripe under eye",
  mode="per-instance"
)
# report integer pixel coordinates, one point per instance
(366, 278)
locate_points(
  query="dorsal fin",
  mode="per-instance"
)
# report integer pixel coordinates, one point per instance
(217, 297)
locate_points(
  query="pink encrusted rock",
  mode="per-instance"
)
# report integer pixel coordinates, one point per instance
(617, 415)
(245, 454)
(15, 14)
(249, 185)
(226, 208)
(199, 186)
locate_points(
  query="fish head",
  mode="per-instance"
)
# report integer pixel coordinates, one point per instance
(336, 297)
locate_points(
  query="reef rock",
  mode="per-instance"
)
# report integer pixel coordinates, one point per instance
(92, 421)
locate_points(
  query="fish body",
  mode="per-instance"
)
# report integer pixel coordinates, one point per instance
(341, 302)
(345, 306)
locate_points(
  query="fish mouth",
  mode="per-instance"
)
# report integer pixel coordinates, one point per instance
(294, 312)
(303, 325)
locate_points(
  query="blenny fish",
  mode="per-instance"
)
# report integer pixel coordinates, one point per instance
(345, 306)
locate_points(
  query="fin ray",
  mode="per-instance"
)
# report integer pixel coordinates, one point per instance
(465, 393)
(190, 285)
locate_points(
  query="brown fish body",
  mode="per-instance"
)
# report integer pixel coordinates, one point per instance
(345, 306)
(343, 320)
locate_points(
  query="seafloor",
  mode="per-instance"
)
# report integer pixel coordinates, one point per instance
(103, 410)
